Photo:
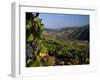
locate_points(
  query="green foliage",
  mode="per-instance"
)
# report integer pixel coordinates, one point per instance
(29, 62)
(35, 27)
(30, 38)
(37, 62)
(29, 25)
(44, 49)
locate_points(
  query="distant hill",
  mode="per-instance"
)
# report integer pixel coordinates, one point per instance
(70, 33)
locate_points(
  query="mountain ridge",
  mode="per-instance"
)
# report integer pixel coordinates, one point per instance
(73, 33)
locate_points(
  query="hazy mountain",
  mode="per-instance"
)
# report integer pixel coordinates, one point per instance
(73, 33)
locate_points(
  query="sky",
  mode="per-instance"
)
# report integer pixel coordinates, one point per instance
(55, 21)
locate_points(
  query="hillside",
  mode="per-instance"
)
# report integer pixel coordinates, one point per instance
(73, 33)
